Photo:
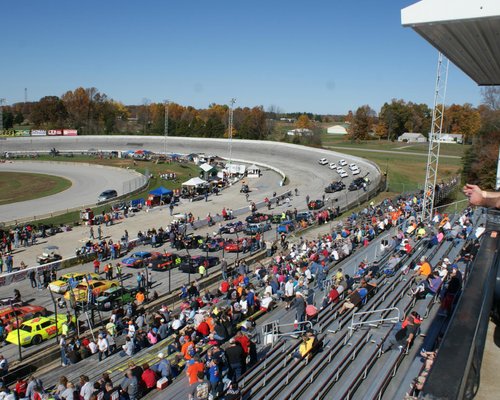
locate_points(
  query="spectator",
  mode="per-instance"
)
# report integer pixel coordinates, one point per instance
(86, 388)
(4, 366)
(103, 345)
(130, 386)
(403, 335)
(164, 368)
(236, 359)
(200, 389)
(194, 368)
(148, 377)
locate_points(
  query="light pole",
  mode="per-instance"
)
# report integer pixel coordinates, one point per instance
(230, 135)
(2, 101)
(167, 103)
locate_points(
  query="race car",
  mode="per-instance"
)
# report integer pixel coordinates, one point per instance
(257, 217)
(49, 254)
(191, 265)
(192, 242)
(80, 292)
(36, 330)
(304, 216)
(163, 262)
(115, 297)
(358, 183)
(233, 246)
(260, 227)
(335, 187)
(286, 227)
(137, 260)
(11, 315)
(212, 245)
(315, 204)
(61, 285)
(231, 227)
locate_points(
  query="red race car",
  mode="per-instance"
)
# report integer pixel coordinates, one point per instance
(235, 246)
(24, 313)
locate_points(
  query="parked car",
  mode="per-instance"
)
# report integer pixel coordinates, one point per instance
(213, 245)
(62, 285)
(316, 204)
(335, 187)
(258, 227)
(233, 246)
(139, 259)
(353, 166)
(49, 254)
(343, 174)
(167, 261)
(286, 227)
(304, 216)
(333, 165)
(191, 265)
(257, 217)
(107, 195)
(36, 330)
(342, 163)
(115, 297)
(11, 315)
(231, 227)
(356, 171)
(358, 183)
(192, 241)
(276, 218)
(323, 161)
(80, 292)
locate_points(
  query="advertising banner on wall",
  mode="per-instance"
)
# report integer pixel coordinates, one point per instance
(70, 132)
(55, 132)
(38, 132)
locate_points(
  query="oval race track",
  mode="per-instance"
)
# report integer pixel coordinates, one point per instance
(299, 163)
(88, 181)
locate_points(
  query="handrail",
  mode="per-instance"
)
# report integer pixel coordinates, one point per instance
(394, 320)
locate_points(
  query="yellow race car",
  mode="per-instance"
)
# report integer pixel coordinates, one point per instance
(74, 278)
(80, 292)
(36, 330)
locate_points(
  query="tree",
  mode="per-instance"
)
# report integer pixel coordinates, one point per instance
(49, 112)
(19, 118)
(7, 119)
(462, 119)
(381, 130)
(303, 122)
(361, 123)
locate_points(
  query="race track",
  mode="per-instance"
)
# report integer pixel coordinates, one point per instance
(299, 163)
(88, 181)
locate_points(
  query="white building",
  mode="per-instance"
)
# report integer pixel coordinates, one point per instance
(300, 132)
(410, 137)
(451, 138)
(337, 130)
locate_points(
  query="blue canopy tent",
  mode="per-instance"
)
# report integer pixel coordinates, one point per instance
(157, 196)
(161, 191)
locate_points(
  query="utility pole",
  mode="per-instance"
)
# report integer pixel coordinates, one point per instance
(167, 103)
(25, 95)
(2, 101)
(232, 101)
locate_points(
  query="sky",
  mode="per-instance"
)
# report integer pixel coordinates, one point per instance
(322, 56)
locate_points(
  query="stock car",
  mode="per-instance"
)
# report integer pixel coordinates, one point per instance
(137, 260)
(232, 227)
(163, 262)
(260, 227)
(80, 292)
(191, 265)
(192, 242)
(358, 183)
(323, 161)
(212, 245)
(11, 315)
(335, 187)
(257, 217)
(61, 285)
(286, 227)
(36, 330)
(115, 297)
(234, 246)
(315, 204)
(304, 216)
(49, 254)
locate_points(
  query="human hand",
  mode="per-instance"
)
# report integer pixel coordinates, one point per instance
(474, 193)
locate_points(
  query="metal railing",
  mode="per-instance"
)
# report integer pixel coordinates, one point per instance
(357, 323)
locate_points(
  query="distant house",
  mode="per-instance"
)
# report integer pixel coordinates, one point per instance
(287, 119)
(410, 137)
(337, 130)
(300, 132)
(451, 138)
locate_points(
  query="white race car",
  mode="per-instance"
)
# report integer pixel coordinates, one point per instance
(323, 161)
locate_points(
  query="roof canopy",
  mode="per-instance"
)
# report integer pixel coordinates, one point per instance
(207, 167)
(194, 182)
(161, 191)
(465, 31)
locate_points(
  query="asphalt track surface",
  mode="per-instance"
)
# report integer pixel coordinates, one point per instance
(299, 163)
(88, 181)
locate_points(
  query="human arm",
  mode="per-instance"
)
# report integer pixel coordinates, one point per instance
(480, 197)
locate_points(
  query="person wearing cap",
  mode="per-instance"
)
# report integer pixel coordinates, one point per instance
(164, 368)
(236, 359)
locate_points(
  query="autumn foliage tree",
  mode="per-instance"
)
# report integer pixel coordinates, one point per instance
(362, 122)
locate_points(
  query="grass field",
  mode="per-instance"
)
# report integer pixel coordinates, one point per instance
(22, 186)
(184, 171)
